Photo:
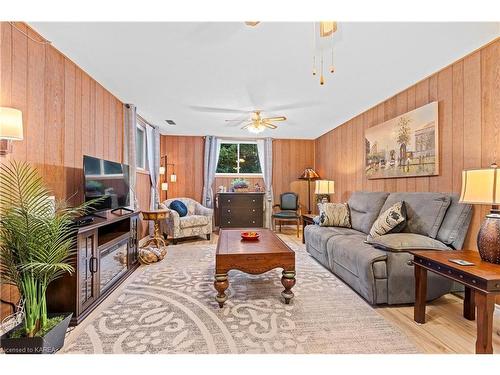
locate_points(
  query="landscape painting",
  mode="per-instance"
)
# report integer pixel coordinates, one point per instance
(406, 146)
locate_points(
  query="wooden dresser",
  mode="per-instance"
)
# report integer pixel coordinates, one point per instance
(239, 210)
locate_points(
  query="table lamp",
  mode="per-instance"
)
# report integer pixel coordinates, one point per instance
(309, 174)
(324, 188)
(482, 186)
(11, 128)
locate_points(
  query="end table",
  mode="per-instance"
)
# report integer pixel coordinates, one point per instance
(481, 281)
(156, 216)
(307, 219)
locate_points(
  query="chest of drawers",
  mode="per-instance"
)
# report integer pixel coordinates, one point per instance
(240, 210)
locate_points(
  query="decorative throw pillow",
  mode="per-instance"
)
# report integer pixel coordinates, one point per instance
(391, 220)
(406, 241)
(334, 215)
(179, 207)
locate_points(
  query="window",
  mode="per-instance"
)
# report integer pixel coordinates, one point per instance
(140, 147)
(238, 158)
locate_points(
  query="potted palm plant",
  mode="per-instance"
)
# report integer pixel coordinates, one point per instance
(36, 247)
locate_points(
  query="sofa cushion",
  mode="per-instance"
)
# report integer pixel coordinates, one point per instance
(352, 253)
(317, 236)
(406, 242)
(191, 221)
(425, 211)
(455, 223)
(359, 264)
(365, 208)
(391, 220)
(179, 207)
(334, 215)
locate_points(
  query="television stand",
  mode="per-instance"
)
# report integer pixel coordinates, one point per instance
(106, 254)
(97, 215)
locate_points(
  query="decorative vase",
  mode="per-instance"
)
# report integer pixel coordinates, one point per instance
(488, 239)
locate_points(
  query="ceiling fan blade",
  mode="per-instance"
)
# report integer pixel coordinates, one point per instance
(269, 125)
(232, 123)
(293, 105)
(279, 118)
(202, 108)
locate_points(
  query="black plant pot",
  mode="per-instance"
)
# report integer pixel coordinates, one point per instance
(48, 344)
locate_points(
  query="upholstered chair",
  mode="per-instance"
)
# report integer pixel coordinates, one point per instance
(287, 210)
(197, 222)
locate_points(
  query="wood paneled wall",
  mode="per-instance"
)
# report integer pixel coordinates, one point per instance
(290, 158)
(187, 155)
(66, 114)
(468, 92)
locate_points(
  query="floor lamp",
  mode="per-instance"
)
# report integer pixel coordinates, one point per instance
(309, 174)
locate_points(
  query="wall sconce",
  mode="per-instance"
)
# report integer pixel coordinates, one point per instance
(173, 177)
(162, 171)
(164, 186)
(11, 128)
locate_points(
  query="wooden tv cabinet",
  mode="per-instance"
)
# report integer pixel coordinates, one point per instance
(106, 254)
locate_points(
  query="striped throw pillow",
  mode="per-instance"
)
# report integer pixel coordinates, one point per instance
(334, 215)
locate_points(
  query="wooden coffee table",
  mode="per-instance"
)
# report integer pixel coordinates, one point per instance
(253, 257)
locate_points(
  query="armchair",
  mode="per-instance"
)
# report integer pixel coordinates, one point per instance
(289, 210)
(197, 222)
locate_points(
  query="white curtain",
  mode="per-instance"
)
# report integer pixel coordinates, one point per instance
(265, 149)
(153, 156)
(212, 149)
(129, 148)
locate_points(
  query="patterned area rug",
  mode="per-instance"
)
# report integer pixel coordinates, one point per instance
(169, 307)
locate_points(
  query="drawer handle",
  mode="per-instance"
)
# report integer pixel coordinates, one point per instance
(253, 210)
(229, 200)
(229, 222)
(253, 221)
(253, 200)
(228, 210)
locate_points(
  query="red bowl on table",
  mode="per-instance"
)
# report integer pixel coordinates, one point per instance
(250, 236)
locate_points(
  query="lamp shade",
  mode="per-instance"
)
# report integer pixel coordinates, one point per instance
(309, 174)
(11, 124)
(164, 186)
(162, 170)
(324, 187)
(481, 186)
(173, 177)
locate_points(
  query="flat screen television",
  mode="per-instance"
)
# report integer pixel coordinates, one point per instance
(106, 179)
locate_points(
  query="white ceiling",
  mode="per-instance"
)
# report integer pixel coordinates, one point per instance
(168, 68)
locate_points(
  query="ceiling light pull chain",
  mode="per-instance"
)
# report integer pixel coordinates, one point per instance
(322, 78)
(332, 69)
(314, 49)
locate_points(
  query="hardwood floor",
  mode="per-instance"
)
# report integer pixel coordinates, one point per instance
(446, 331)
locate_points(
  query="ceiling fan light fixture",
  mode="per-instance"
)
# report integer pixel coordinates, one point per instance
(256, 128)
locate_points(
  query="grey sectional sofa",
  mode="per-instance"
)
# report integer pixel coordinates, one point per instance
(387, 277)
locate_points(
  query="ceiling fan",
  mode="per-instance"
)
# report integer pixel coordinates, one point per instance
(257, 124)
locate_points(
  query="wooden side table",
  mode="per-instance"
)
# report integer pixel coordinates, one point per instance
(156, 216)
(481, 281)
(307, 219)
